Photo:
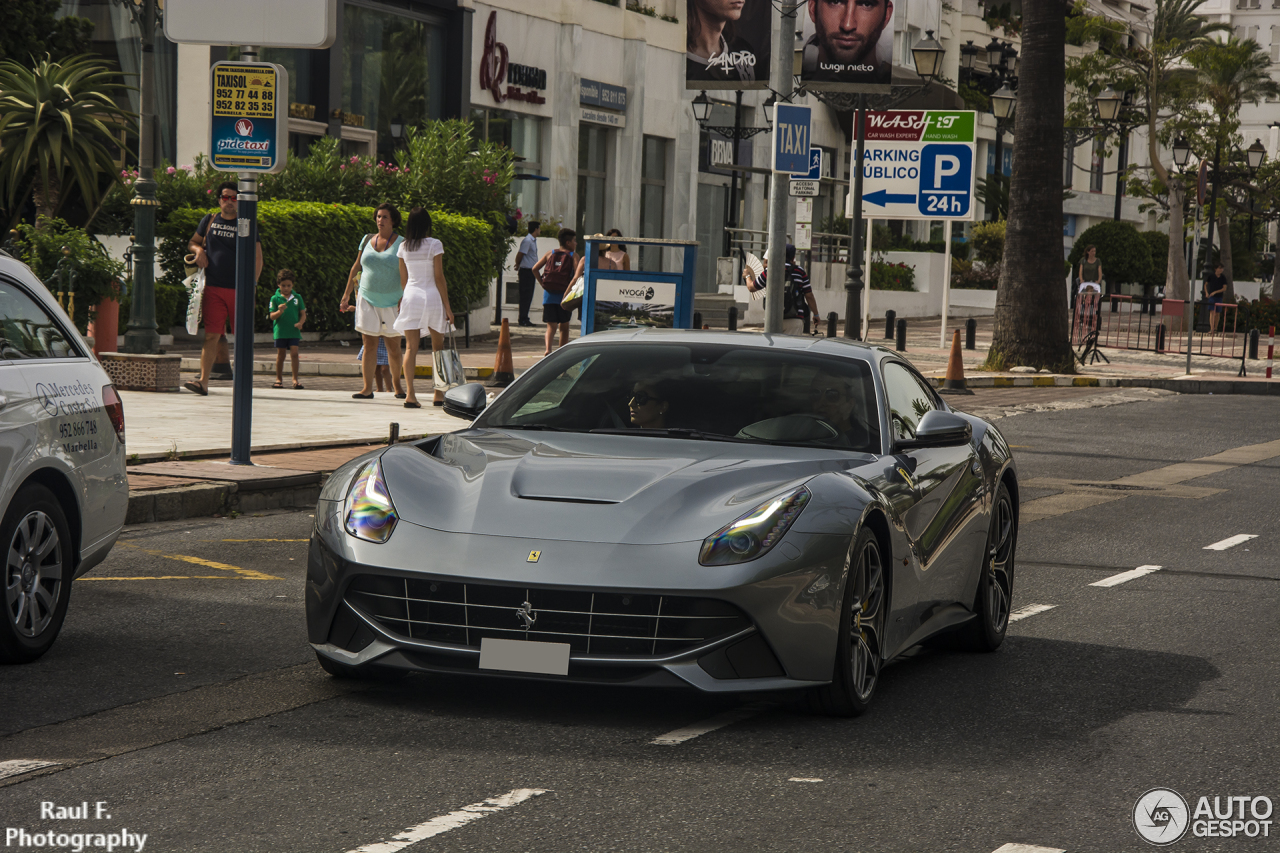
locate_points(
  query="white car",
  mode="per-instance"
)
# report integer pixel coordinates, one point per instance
(64, 492)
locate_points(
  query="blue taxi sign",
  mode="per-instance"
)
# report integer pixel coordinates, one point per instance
(248, 125)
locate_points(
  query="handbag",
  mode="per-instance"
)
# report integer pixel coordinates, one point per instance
(446, 366)
(573, 296)
(195, 301)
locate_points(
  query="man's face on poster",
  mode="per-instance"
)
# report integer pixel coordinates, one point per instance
(849, 29)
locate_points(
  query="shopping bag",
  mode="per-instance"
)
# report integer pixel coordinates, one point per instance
(447, 369)
(572, 298)
(195, 301)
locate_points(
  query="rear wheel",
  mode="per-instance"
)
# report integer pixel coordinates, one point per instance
(861, 642)
(38, 564)
(995, 584)
(365, 672)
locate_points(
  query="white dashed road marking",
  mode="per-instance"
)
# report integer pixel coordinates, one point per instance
(1029, 610)
(1124, 577)
(804, 779)
(1027, 848)
(23, 765)
(452, 820)
(1230, 542)
(719, 721)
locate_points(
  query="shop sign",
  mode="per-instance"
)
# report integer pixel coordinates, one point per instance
(495, 70)
(603, 117)
(307, 111)
(247, 130)
(592, 93)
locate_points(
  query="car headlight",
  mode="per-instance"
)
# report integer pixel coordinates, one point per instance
(753, 534)
(369, 513)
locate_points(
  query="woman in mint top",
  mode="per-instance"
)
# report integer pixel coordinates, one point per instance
(378, 300)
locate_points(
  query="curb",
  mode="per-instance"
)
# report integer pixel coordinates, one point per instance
(222, 452)
(1206, 386)
(334, 368)
(204, 499)
(1181, 386)
(1035, 381)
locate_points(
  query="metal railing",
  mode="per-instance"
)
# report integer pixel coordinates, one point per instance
(1158, 325)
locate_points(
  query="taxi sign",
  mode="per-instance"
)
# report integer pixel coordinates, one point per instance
(248, 129)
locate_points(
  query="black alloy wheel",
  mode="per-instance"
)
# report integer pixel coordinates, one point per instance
(859, 656)
(38, 565)
(995, 583)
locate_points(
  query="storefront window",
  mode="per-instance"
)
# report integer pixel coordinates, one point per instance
(394, 70)
(592, 161)
(523, 135)
(297, 63)
(653, 199)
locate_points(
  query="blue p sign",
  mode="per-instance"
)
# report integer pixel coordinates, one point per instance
(946, 180)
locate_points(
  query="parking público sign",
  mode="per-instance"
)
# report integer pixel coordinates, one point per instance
(918, 164)
(248, 128)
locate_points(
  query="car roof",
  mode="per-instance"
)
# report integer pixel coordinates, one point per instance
(839, 347)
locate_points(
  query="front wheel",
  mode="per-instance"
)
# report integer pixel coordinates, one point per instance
(995, 583)
(38, 564)
(862, 629)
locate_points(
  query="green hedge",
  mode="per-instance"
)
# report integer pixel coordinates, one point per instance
(319, 243)
(898, 276)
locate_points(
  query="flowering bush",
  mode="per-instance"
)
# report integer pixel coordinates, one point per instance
(886, 276)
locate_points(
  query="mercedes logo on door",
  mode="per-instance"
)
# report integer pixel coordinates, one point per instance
(244, 127)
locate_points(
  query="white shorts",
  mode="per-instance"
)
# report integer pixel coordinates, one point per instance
(378, 322)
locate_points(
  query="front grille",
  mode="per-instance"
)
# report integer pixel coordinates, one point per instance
(598, 623)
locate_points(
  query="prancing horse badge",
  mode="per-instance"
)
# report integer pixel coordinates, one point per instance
(534, 556)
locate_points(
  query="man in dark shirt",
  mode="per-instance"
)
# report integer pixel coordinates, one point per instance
(797, 300)
(214, 246)
(1215, 289)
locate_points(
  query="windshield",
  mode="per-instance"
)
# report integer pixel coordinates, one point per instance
(709, 391)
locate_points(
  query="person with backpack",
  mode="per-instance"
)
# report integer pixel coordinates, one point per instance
(377, 268)
(214, 247)
(797, 294)
(554, 272)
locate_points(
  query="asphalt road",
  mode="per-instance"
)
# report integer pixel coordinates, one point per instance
(182, 693)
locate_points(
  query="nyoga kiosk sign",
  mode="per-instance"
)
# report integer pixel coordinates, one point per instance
(248, 129)
(918, 164)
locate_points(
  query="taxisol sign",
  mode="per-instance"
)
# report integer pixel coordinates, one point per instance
(919, 164)
(248, 125)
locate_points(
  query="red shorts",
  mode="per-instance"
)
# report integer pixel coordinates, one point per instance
(219, 310)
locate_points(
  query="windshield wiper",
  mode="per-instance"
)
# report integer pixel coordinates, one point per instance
(674, 432)
(543, 427)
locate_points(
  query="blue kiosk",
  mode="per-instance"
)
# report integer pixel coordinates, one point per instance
(630, 299)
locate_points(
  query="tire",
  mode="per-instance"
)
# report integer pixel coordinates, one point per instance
(862, 633)
(995, 581)
(366, 672)
(39, 562)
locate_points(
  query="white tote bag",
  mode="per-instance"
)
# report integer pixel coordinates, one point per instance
(195, 300)
(447, 369)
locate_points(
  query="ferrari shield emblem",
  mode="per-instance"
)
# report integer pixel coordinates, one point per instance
(534, 556)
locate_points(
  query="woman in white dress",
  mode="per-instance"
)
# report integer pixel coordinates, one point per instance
(425, 305)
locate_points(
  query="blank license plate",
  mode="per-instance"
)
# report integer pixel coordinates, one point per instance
(524, 656)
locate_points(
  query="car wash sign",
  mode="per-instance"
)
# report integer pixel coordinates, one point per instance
(248, 130)
(918, 164)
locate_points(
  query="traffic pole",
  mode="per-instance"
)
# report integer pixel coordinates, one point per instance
(1271, 347)
(246, 281)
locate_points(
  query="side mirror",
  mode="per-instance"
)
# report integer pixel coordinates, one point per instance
(466, 401)
(938, 429)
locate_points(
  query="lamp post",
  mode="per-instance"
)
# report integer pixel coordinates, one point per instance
(142, 336)
(1000, 83)
(702, 107)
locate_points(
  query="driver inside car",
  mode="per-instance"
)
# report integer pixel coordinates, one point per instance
(831, 399)
(648, 406)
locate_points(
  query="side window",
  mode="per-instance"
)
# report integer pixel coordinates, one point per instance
(556, 390)
(27, 330)
(908, 400)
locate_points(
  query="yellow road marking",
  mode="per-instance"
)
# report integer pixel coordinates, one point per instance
(248, 574)
(160, 578)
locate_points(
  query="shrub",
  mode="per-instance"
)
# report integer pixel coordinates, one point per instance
(886, 276)
(987, 239)
(95, 274)
(1158, 244)
(1261, 315)
(319, 243)
(1124, 253)
(970, 276)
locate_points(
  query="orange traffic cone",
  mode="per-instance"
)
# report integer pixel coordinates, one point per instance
(503, 371)
(954, 383)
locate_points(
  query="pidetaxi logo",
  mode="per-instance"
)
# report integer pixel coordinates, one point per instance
(1160, 816)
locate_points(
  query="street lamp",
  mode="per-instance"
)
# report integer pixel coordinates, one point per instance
(995, 52)
(769, 104)
(397, 128)
(701, 108)
(1003, 103)
(968, 53)
(927, 55)
(1181, 152)
(1255, 154)
(1108, 103)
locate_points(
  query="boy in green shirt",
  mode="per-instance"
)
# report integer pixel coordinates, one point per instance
(289, 315)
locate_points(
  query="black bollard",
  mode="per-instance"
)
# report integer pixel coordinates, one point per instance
(466, 331)
(971, 334)
(1115, 306)
(889, 317)
(902, 336)
(394, 435)
(806, 322)
(1160, 338)
(1253, 345)
(831, 324)
(697, 317)
(733, 318)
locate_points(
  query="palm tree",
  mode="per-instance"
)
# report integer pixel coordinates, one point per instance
(1230, 75)
(1031, 304)
(58, 124)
